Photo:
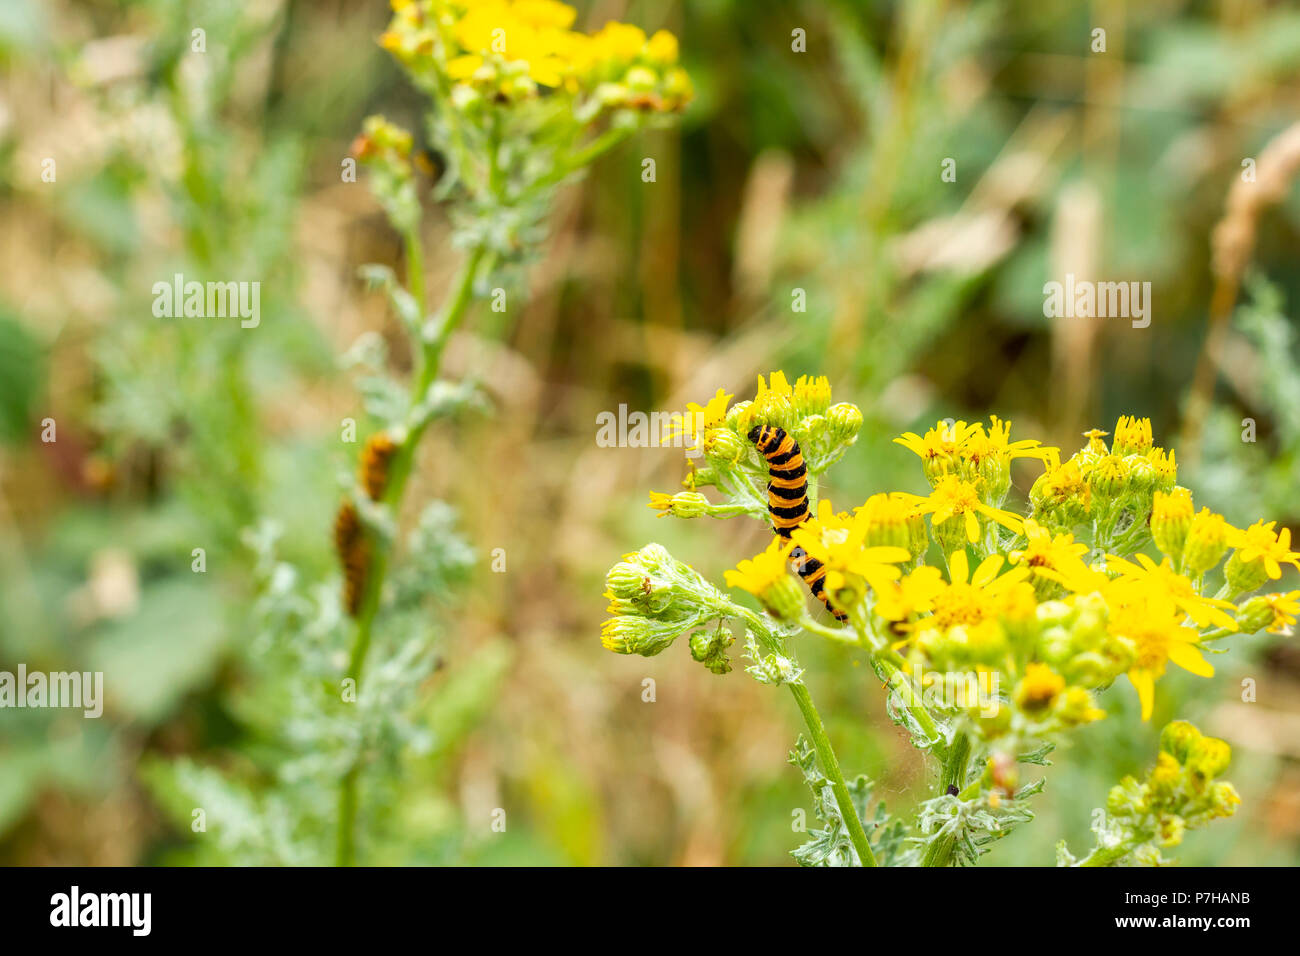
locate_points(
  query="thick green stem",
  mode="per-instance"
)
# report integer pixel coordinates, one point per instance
(453, 310)
(953, 778)
(831, 767)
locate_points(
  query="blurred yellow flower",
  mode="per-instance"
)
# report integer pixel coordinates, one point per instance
(1161, 580)
(1153, 627)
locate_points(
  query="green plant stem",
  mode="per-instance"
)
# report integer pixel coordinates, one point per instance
(939, 852)
(1105, 856)
(583, 157)
(453, 310)
(831, 767)
(894, 679)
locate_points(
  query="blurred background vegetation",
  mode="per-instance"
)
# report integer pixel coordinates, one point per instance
(817, 170)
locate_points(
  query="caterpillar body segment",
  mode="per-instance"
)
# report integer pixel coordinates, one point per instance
(787, 502)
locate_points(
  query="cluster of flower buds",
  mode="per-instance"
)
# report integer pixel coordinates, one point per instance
(1099, 484)
(624, 69)
(1179, 794)
(385, 149)
(1077, 642)
(655, 599)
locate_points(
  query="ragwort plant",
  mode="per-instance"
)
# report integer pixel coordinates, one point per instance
(520, 103)
(994, 632)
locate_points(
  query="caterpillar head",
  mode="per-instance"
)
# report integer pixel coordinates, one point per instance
(754, 433)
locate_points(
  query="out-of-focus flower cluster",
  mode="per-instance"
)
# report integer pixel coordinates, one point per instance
(520, 102)
(1180, 793)
(502, 51)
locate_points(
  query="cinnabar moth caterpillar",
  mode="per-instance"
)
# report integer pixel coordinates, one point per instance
(354, 555)
(787, 502)
(375, 459)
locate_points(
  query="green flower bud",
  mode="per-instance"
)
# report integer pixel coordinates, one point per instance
(690, 504)
(627, 582)
(1127, 799)
(1076, 706)
(1056, 645)
(1207, 542)
(640, 79)
(1243, 576)
(784, 598)
(1109, 477)
(710, 647)
(918, 538)
(1141, 474)
(844, 421)
(950, 534)
(724, 446)
(1177, 737)
(1171, 518)
(736, 417)
(1224, 799)
(995, 473)
(630, 634)
(1054, 612)
(1254, 614)
(1207, 757)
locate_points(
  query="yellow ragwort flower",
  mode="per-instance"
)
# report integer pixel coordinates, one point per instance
(1163, 581)
(1261, 544)
(697, 419)
(972, 598)
(1132, 436)
(1039, 687)
(1055, 557)
(1152, 625)
(764, 570)
(1285, 608)
(839, 542)
(899, 601)
(954, 498)
(943, 446)
(996, 443)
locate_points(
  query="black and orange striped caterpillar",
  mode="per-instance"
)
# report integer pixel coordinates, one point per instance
(787, 502)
